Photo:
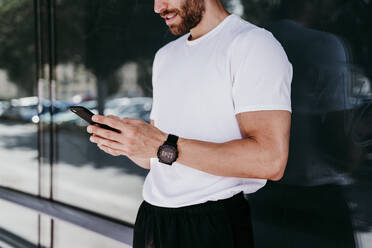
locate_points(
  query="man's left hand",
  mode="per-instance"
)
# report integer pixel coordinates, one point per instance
(137, 138)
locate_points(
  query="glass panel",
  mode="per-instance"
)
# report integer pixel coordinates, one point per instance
(323, 198)
(67, 235)
(18, 226)
(18, 97)
(105, 57)
(105, 65)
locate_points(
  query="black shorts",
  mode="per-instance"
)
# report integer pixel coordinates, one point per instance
(219, 224)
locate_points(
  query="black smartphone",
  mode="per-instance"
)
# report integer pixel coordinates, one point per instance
(86, 115)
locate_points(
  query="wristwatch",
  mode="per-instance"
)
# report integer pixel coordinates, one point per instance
(168, 152)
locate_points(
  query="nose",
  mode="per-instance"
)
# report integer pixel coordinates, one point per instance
(160, 6)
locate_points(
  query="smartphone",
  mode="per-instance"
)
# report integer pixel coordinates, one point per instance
(86, 115)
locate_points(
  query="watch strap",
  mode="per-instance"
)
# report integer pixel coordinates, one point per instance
(172, 140)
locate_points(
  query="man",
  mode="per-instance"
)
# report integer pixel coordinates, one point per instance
(220, 127)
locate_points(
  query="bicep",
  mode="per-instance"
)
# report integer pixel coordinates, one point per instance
(271, 126)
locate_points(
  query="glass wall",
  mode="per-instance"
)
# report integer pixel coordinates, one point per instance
(322, 201)
(104, 63)
(18, 97)
(67, 235)
(99, 54)
(21, 227)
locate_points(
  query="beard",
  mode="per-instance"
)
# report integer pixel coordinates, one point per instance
(191, 13)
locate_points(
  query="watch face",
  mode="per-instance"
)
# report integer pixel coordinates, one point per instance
(167, 154)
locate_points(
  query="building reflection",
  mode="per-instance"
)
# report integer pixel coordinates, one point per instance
(103, 62)
(330, 136)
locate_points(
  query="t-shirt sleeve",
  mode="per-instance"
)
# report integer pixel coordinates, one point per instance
(261, 73)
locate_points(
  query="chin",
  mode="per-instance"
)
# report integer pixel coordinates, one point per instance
(176, 31)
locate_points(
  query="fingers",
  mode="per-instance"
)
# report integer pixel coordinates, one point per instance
(107, 134)
(108, 143)
(111, 121)
(106, 140)
(113, 117)
(109, 150)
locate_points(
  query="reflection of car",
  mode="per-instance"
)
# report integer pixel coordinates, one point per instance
(21, 109)
(58, 107)
(136, 107)
(67, 117)
(115, 103)
(4, 105)
(26, 109)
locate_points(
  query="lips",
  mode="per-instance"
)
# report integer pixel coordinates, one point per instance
(170, 17)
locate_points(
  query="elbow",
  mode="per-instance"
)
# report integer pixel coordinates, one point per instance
(277, 176)
(278, 168)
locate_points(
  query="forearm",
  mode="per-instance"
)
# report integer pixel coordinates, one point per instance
(245, 158)
(263, 154)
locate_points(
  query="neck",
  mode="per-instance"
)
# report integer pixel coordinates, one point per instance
(214, 14)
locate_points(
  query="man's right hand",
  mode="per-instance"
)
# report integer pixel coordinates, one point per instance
(144, 163)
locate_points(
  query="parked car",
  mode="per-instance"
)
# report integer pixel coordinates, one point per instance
(136, 107)
(112, 104)
(22, 109)
(66, 117)
(4, 105)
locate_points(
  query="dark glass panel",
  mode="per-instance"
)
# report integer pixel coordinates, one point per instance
(18, 97)
(323, 199)
(104, 63)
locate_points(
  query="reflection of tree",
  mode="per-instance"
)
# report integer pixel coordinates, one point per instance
(104, 35)
(17, 54)
(105, 39)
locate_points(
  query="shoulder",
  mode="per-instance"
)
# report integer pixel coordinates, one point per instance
(248, 38)
(244, 31)
(257, 44)
(256, 39)
(257, 48)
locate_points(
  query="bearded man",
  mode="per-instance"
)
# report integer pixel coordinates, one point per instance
(220, 125)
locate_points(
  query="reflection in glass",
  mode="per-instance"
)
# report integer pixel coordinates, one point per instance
(18, 226)
(318, 203)
(67, 235)
(105, 65)
(18, 97)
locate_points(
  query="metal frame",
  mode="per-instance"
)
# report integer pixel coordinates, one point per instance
(109, 227)
(15, 240)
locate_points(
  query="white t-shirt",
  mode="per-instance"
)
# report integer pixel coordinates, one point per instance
(198, 88)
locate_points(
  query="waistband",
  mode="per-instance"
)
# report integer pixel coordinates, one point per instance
(206, 207)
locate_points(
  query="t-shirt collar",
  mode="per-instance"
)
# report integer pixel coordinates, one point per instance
(209, 34)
